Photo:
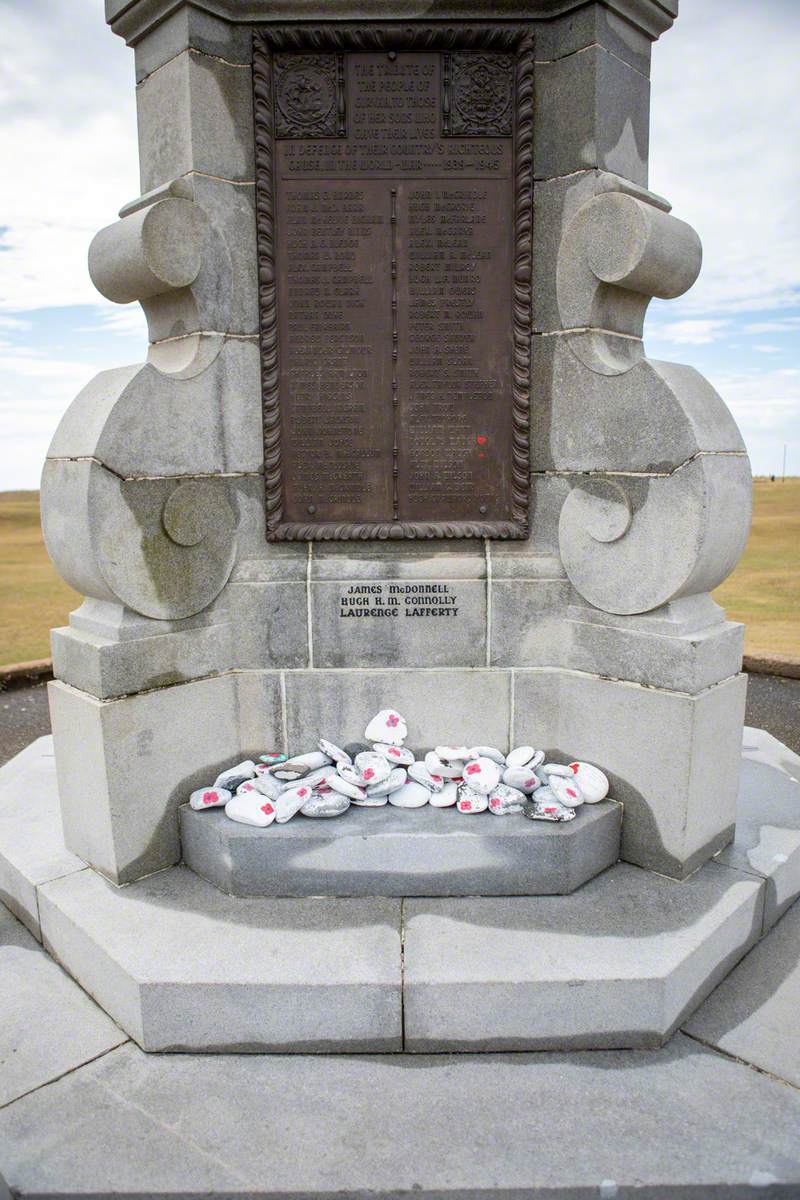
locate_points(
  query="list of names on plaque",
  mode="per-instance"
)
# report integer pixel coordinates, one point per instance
(394, 265)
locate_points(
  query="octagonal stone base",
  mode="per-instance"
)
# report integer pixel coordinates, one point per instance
(391, 852)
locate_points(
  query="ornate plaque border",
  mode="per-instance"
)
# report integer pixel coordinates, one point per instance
(341, 39)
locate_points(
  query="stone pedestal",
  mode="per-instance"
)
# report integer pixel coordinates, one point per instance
(594, 636)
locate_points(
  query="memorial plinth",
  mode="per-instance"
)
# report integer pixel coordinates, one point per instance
(397, 442)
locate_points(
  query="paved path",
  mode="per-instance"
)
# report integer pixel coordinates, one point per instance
(772, 704)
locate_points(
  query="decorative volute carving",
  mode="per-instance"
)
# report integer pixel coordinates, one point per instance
(661, 491)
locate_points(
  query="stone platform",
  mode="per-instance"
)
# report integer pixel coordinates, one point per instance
(391, 852)
(618, 963)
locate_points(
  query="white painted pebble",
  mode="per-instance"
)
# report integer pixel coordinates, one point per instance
(410, 795)
(290, 802)
(395, 780)
(333, 752)
(520, 757)
(482, 775)
(345, 788)
(544, 805)
(330, 805)
(470, 801)
(420, 774)
(566, 790)
(268, 786)
(374, 767)
(387, 726)
(251, 809)
(452, 753)
(591, 780)
(505, 800)
(487, 752)
(209, 797)
(557, 769)
(523, 778)
(446, 797)
(447, 770)
(400, 756)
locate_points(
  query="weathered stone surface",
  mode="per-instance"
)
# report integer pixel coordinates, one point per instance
(686, 662)
(32, 849)
(438, 705)
(306, 975)
(528, 627)
(673, 759)
(386, 852)
(753, 1013)
(593, 25)
(209, 127)
(49, 1025)
(124, 766)
(57, 1139)
(191, 28)
(105, 667)
(271, 622)
(767, 840)
(592, 111)
(618, 964)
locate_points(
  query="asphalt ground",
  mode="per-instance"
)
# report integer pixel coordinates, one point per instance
(773, 703)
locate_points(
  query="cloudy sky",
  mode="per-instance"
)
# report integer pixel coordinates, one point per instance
(725, 138)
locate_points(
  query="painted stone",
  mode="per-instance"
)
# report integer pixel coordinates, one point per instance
(345, 788)
(209, 797)
(315, 778)
(449, 770)
(505, 800)
(420, 774)
(395, 779)
(330, 805)
(374, 767)
(333, 752)
(268, 786)
(410, 795)
(591, 780)
(290, 771)
(247, 786)
(482, 775)
(452, 753)
(387, 726)
(231, 778)
(545, 806)
(566, 790)
(470, 801)
(557, 769)
(523, 778)
(251, 809)
(400, 756)
(351, 773)
(487, 752)
(520, 757)
(290, 802)
(269, 760)
(447, 797)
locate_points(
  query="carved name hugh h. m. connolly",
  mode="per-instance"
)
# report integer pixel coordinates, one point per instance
(394, 181)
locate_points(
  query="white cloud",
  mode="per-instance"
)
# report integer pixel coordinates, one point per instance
(68, 127)
(697, 332)
(725, 128)
(762, 348)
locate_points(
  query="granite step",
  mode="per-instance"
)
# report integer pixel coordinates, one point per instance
(390, 852)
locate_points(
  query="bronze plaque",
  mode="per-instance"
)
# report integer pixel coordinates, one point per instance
(394, 198)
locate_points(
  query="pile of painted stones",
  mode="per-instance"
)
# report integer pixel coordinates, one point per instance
(325, 782)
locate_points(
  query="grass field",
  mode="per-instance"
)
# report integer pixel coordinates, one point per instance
(764, 590)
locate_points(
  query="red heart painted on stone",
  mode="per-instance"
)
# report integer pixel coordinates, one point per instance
(303, 792)
(481, 440)
(473, 769)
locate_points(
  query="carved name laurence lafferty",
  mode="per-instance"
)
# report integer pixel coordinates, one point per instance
(394, 198)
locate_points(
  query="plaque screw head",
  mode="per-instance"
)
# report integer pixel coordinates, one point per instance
(483, 510)
(392, 55)
(312, 508)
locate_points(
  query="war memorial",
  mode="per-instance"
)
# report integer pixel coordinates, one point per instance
(398, 525)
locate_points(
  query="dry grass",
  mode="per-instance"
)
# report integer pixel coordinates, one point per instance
(764, 590)
(33, 598)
